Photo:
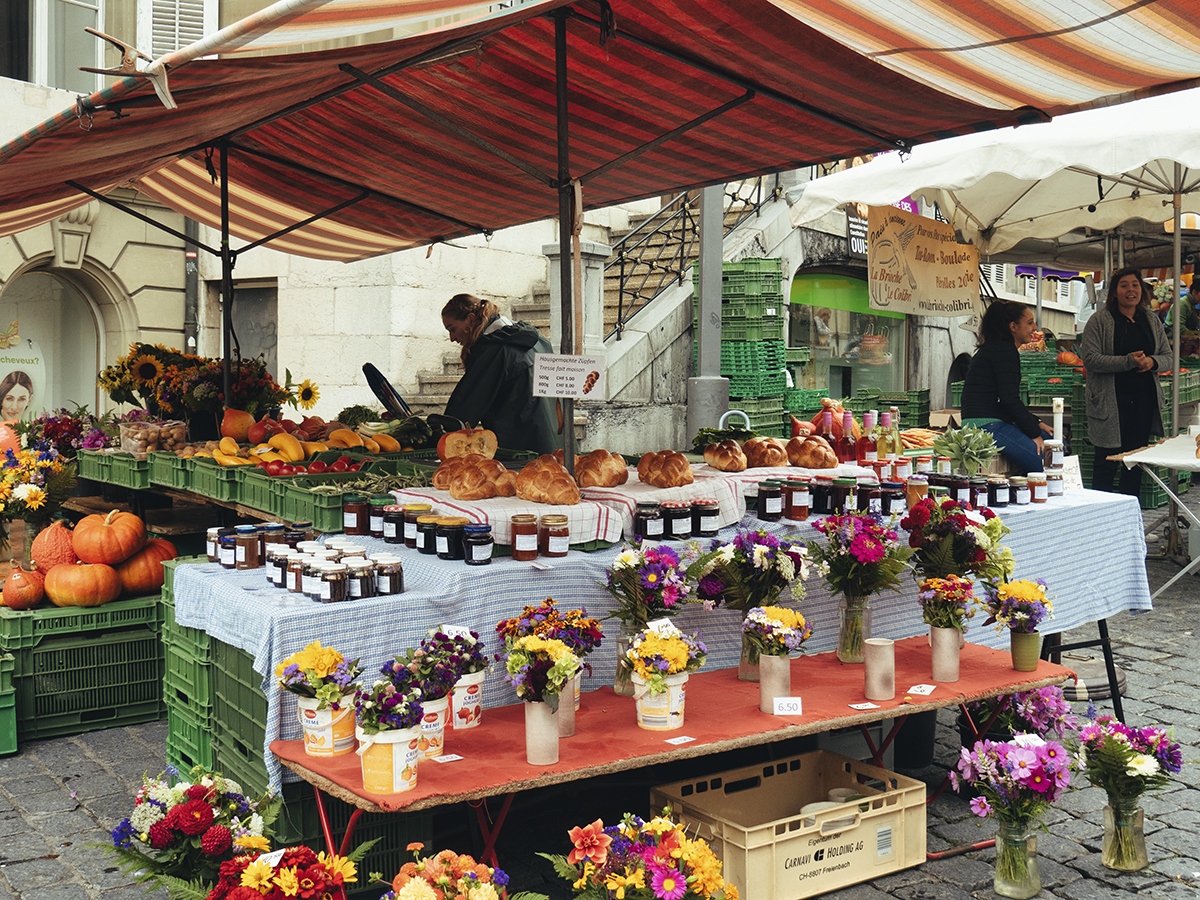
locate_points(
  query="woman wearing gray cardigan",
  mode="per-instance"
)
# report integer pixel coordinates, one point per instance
(1124, 349)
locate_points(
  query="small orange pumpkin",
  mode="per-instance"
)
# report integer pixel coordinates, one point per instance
(109, 539)
(22, 589)
(52, 547)
(142, 573)
(82, 584)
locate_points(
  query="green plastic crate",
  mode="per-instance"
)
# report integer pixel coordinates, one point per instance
(187, 681)
(169, 470)
(753, 330)
(214, 481)
(189, 738)
(8, 723)
(7, 664)
(757, 405)
(256, 489)
(20, 630)
(93, 464)
(128, 472)
(242, 761)
(758, 385)
(239, 705)
(804, 398)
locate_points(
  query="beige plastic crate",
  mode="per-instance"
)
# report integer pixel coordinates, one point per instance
(751, 817)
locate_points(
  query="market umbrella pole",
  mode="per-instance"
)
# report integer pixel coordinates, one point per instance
(566, 219)
(226, 280)
(1174, 543)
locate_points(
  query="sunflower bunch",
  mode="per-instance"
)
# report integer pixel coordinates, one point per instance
(134, 378)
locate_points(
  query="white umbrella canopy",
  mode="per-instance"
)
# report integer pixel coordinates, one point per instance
(1095, 169)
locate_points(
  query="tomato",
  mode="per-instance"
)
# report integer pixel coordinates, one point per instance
(338, 466)
(286, 469)
(300, 468)
(316, 467)
(275, 467)
(353, 467)
(345, 459)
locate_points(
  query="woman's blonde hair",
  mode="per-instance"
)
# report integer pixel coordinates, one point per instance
(460, 307)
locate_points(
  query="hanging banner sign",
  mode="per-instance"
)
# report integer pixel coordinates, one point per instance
(916, 266)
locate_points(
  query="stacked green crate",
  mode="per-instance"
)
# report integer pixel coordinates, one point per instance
(8, 706)
(187, 681)
(1046, 377)
(804, 403)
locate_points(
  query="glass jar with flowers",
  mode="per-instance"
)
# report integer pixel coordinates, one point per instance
(297, 871)
(1044, 711)
(323, 682)
(1015, 782)
(540, 670)
(641, 860)
(775, 633)
(389, 717)
(659, 659)
(34, 484)
(648, 582)
(448, 874)
(750, 571)
(1020, 606)
(1126, 762)
(859, 557)
(435, 665)
(581, 633)
(946, 604)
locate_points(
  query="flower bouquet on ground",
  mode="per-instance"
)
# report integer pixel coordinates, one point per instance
(1015, 782)
(450, 875)
(1126, 762)
(298, 873)
(184, 831)
(948, 538)
(648, 583)
(859, 557)
(639, 860)
(1044, 712)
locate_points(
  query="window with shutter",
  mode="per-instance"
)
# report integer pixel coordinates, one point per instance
(166, 25)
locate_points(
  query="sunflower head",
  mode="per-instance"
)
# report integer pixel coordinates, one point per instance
(307, 394)
(146, 369)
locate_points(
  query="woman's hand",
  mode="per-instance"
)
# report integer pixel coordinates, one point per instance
(1047, 428)
(1039, 442)
(1143, 362)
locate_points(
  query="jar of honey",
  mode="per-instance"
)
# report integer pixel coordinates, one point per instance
(524, 528)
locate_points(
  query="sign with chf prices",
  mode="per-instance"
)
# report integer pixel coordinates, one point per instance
(916, 266)
(581, 377)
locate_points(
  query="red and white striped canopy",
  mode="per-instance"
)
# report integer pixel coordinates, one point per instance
(453, 131)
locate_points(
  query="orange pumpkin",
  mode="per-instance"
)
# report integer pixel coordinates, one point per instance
(837, 410)
(109, 539)
(22, 589)
(82, 584)
(53, 547)
(142, 573)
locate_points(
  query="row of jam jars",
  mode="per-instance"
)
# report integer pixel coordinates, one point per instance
(550, 537)
(677, 520)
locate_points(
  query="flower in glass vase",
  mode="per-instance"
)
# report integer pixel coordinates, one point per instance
(539, 668)
(948, 538)
(319, 673)
(946, 602)
(661, 649)
(581, 633)
(775, 630)
(751, 570)
(1044, 711)
(1019, 606)
(648, 582)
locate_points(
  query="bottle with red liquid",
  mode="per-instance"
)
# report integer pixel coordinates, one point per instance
(845, 447)
(865, 448)
(827, 429)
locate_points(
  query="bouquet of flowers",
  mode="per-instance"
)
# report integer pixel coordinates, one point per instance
(67, 431)
(1127, 762)
(440, 660)
(640, 860)
(393, 702)
(775, 631)
(1019, 606)
(574, 628)
(448, 874)
(661, 649)
(135, 377)
(182, 833)
(1041, 712)
(34, 483)
(299, 872)
(751, 570)
(319, 672)
(648, 583)
(948, 538)
(539, 668)
(946, 602)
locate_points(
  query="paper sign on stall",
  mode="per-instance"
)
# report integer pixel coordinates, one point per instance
(1072, 474)
(556, 375)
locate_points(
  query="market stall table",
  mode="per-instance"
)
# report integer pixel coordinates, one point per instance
(1089, 580)
(721, 714)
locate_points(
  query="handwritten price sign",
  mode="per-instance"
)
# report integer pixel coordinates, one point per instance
(581, 377)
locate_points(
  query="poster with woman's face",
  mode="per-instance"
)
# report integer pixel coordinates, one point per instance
(22, 381)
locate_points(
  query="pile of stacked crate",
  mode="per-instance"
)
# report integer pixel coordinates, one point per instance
(753, 352)
(913, 405)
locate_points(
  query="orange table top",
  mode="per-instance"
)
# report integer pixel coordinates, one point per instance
(721, 714)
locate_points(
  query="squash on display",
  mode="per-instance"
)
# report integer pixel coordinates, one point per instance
(83, 584)
(52, 547)
(22, 589)
(142, 573)
(109, 539)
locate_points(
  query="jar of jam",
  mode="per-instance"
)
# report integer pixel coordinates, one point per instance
(554, 535)
(979, 492)
(938, 493)
(1052, 454)
(227, 549)
(280, 564)
(706, 513)
(943, 465)
(677, 520)
(891, 498)
(412, 512)
(448, 536)
(269, 563)
(393, 524)
(312, 577)
(379, 503)
(799, 499)
(648, 521)
(960, 489)
(334, 583)
(389, 576)
(212, 539)
(902, 467)
(883, 470)
(1020, 490)
(870, 497)
(916, 489)
(478, 545)
(1038, 489)
(329, 554)
(306, 527)
(999, 491)
(924, 465)
(310, 546)
(841, 496)
(296, 561)
(1054, 482)
(356, 514)
(360, 579)
(294, 538)
(770, 501)
(427, 534)
(525, 537)
(268, 533)
(351, 551)
(822, 495)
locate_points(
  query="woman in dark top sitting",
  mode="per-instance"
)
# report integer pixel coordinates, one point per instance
(1124, 349)
(991, 397)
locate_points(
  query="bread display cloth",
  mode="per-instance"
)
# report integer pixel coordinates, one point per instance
(746, 483)
(588, 521)
(624, 498)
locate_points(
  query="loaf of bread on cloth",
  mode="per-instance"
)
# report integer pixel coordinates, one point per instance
(812, 452)
(726, 456)
(447, 470)
(765, 451)
(545, 480)
(600, 468)
(665, 469)
(482, 479)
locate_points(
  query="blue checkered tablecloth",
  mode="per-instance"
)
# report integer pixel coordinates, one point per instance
(1089, 547)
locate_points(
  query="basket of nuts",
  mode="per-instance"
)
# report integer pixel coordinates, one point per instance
(139, 438)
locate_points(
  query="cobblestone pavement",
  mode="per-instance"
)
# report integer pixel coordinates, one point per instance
(58, 798)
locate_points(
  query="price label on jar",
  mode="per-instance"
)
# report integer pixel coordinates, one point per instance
(557, 375)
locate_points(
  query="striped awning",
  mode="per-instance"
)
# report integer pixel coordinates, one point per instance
(389, 145)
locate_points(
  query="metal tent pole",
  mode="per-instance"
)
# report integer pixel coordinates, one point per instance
(1174, 542)
(565, 220)
(226, 279)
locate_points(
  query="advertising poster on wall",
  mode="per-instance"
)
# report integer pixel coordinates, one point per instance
(22, 382)
(916, 266)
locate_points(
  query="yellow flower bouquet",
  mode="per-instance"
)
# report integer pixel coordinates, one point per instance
(661, 649)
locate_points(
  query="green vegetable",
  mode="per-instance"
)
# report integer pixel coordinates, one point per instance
(969, 448)
(353, 416)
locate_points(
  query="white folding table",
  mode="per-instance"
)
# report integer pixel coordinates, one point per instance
(1177, 453)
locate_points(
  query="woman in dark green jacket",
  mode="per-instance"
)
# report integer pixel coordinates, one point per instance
(496, 390)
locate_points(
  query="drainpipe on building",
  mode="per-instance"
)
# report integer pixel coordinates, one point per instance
(191, 287)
